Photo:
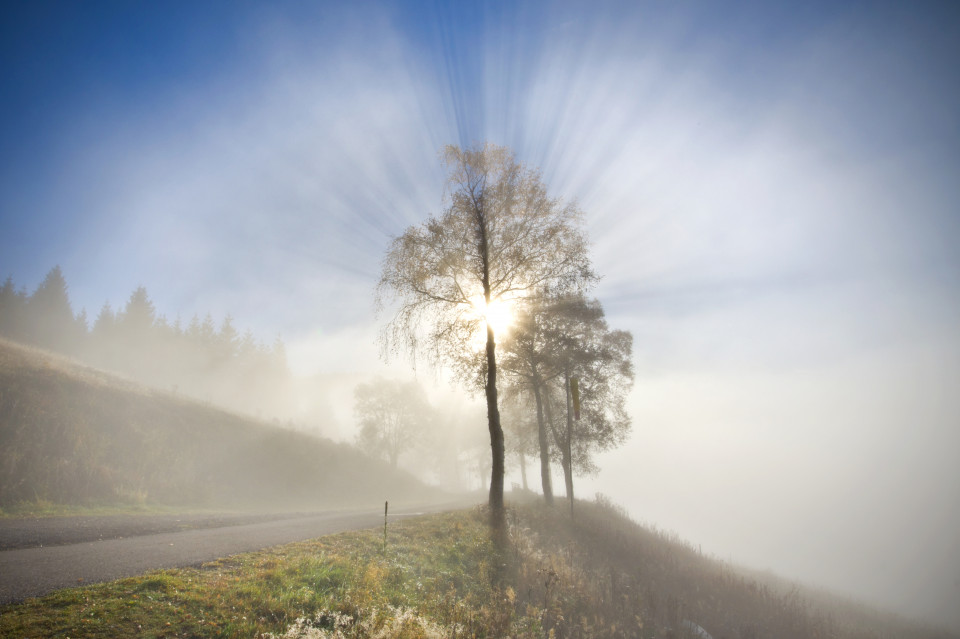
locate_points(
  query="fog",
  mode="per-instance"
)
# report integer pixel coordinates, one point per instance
(771, 195)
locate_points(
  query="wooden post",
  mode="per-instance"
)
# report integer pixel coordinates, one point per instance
(386, 505)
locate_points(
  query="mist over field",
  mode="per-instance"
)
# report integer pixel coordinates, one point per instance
(770, 193)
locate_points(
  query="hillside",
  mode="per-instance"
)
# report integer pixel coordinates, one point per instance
(600, 575)
(71, 434)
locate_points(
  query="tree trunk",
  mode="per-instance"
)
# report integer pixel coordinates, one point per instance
(523, 471)
(498, 518)
(563, 444)
(544, 443)
(567, 450)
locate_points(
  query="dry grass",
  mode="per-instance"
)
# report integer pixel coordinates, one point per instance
(620, 571)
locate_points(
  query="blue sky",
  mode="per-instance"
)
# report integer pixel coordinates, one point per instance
(90, 88)
(771, 191)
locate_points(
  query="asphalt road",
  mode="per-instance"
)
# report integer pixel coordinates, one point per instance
(36, 571)
(31, 532)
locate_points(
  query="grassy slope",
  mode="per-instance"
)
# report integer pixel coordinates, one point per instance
(440, 576)
(73, 435)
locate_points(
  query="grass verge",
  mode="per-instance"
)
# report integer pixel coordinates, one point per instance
(44, 508)
(431, 562)
(600, 575)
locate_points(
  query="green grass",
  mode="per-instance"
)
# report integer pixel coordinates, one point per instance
(252, 594)
(44, 508)
(600, 575)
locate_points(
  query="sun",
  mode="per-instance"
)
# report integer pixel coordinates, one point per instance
(498, 314)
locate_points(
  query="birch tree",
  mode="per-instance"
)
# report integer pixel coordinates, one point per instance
(499, 237)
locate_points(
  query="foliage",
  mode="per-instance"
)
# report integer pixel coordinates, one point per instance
(600, 359)
(499, 238)
(555, 340)
(393, 416)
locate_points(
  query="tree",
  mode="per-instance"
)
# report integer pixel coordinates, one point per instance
(52, 324)
(226, 341)
(139, 316)
(530, 359)
(81, 331)
(599, 359)
(522, 430)
(13, 304)
(103, 337)
(392, 416)
(499, 237)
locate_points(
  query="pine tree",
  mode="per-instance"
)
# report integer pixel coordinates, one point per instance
(139, 315)
(105, 324)
(227, 342)
(12, 310)
(49, 316)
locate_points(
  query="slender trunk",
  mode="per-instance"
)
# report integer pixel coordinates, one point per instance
(567, 451)
(498, 517)
(394, 437)
(562, 440)
(523, 471)
(544, 443)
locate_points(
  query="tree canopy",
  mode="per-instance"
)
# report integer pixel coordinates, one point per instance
(558, 341)
(392, 416)
(499, 238)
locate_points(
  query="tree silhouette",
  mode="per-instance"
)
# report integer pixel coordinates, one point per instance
(522, 429)
(139, 315)
(499, 238)
(51, 321)
(600, 360)
(13, 304)
(530, 360)
(393, 416)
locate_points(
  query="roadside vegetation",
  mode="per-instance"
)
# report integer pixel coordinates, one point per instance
(74, 438)
(44, 508)
(598, 575)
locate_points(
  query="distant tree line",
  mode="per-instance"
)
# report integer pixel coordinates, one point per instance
(203, 360)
